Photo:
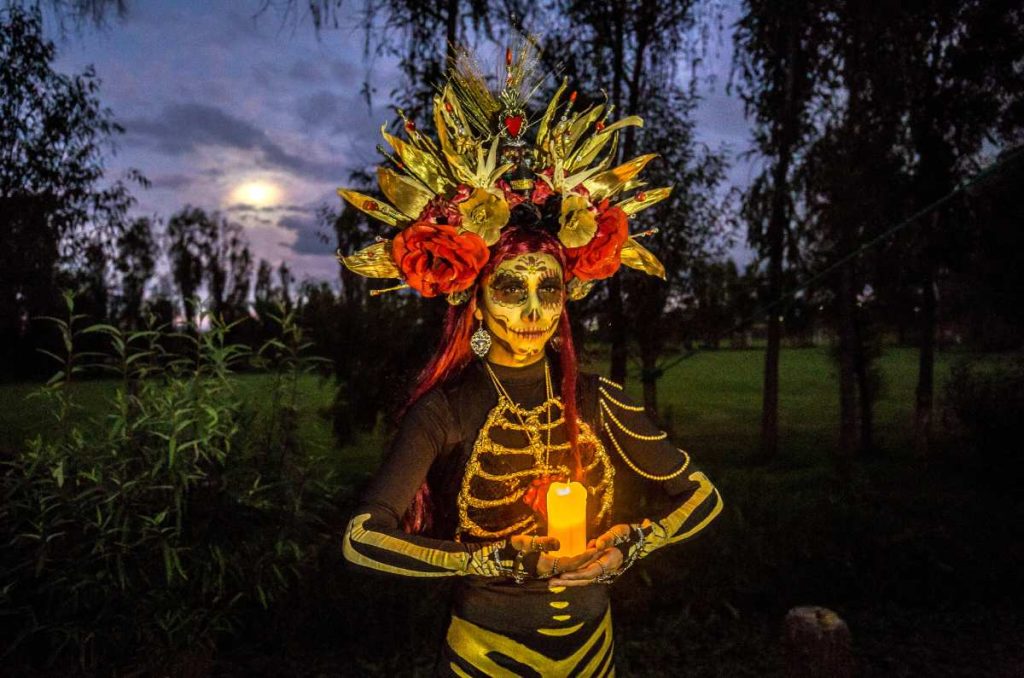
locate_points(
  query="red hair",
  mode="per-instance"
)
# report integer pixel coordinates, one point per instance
(454, 354)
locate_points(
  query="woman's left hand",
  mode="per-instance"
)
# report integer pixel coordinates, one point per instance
(608, 560)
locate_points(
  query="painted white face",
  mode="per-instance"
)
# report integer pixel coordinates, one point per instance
(522, 303)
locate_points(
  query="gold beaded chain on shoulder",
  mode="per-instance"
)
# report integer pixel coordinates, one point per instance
(605, 409)
(632, 434)
(639, 471)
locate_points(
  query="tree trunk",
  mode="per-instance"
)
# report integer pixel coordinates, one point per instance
(849, 433)
(769, 447)
(865, 389)
(926, 361)
(770, 394)
(651, 343)
(650, 381)
(616, 317)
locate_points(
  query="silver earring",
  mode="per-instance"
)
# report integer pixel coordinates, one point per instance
(480, 342)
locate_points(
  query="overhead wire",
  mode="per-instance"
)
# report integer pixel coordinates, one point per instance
(999, 165)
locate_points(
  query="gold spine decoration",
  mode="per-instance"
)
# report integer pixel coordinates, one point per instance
(544, 126)
(378, 209)
(470, 87)
(609, 183)
(580, 288)
(409, 196)
(644, 199)
(377, 293)
(372, 262)
(504, 416)
(483, 140)
(456, 298)
(639, 257)
(423, 165)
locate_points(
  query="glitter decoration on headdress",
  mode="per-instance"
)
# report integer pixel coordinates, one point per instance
(451, 198)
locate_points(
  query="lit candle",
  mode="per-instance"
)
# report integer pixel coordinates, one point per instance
(567, 517)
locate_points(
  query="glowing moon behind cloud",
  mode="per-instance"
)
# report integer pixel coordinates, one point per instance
(257, 193)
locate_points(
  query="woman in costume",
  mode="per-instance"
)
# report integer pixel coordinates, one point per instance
(509, 230)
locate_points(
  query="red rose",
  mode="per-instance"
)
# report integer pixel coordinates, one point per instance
(600, 257)
(437, 259)
(541, 192)
(442, 210)
(511, 197)
(541, 189)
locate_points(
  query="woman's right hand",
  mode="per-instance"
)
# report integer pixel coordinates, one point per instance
(548, 565)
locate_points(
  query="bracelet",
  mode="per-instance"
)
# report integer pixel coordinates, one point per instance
(499, 567)
(636, 542)
(518, 573)
(605, 577)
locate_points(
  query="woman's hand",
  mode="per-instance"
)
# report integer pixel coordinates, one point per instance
(607, 560)
(551, 565)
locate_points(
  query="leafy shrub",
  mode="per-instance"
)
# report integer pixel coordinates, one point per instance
(143, 538)
(983, 410)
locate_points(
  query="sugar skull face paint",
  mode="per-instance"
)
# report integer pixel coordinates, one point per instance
(522, 303)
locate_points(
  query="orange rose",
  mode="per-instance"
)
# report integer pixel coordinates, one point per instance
(437, 259)
(600, 257)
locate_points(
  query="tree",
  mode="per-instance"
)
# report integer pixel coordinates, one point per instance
(777, 58)
(958, 69)
(691, 224)
(135, 263)
(632, 50)
(206, 248)
(53, 204)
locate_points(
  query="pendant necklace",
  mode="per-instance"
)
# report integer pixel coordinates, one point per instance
(516, 409)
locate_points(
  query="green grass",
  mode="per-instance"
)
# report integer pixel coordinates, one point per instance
(921, 559)
(713, 400)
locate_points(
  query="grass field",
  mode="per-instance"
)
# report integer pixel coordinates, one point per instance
(713, 400)
(923, 560)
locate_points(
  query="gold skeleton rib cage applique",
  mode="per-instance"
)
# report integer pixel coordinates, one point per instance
(499, 472)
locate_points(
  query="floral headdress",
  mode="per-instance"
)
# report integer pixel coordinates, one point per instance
(452, 197)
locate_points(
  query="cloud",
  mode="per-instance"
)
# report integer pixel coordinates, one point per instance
(183, 128)
(320, 108)
(171, 181)
(347, 73)
(310, 237)
(341, 116)
(304, 69)
(246, 207)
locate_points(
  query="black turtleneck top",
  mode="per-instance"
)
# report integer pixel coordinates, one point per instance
(435, 442)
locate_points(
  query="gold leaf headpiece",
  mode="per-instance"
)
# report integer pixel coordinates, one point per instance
(451, 198)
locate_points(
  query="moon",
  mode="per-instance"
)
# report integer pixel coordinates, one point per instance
(257, 193)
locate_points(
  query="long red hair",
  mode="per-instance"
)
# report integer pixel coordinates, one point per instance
(453, 353)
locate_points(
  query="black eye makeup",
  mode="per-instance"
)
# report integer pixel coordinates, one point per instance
(549, 290)
(512, 289)
(508, 290)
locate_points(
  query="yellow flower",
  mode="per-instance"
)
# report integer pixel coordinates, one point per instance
(578, 223)
(484, 213)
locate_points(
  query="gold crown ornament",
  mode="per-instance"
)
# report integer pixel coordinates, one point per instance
(451, 198)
